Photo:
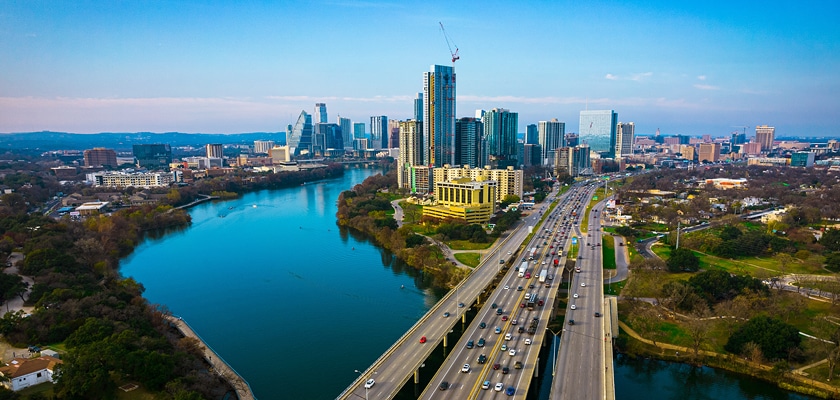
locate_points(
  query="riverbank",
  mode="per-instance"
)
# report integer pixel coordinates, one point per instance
(784, 379)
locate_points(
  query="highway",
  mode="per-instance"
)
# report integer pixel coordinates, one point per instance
(510, 296)
(580, 366)
(397, 365)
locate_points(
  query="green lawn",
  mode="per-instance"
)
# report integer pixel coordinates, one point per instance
(467, 245)
(470, 259)
(755, 266)
(614, 288)
(608, 251)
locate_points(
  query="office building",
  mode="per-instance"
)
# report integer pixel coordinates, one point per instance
(551, 136)
(100, 157)
(624, 139)
(214, 150)
(765, 135)
(326, 136)
(152, 155)
(138, 180)
(532, 154)
(299, 139)
(802, 159)
(572, 139)
(263, 146)
(468, 133)
(379, 132)
(687, 151)
(411, 152)
(280, 154)
(393, 134)
(580, 162)
(508, 180)
(464, 199)
(598, 130)
(708, 152)
(418, 107)
(532, 136)
(320, 115)
(500, 144)
(346, 131)
(359, 130)
(439, 115)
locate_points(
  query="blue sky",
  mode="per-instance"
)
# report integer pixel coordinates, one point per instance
(225, 67)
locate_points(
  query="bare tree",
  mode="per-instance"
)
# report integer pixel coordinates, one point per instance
(753, 352)
(698, 327)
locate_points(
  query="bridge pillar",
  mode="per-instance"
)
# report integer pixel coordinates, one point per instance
(537, 370)
(445, 340)
(417, 376)
(464, 318)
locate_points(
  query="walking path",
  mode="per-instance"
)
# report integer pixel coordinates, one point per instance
(243, 390)
(16, 304)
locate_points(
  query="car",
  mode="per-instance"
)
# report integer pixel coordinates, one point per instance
(480, 342)
(519, 289)
(575, 295)
(504, 347)
(508, 336)
(522, 305)
(517, 365)
(460, 305)
(499, 386)
(499, 311)
(446, 314)
(507, 287)
(482, 325)
(527, 275)
(574, 307)
(597, 314)
(531, 286)
(465, 368)
(369, 383)
(521, 329)
(510, 391)
(504, 318)
(512, 352)
(422, 339)
(621, 243)
(509, 253)
(571, 322)
(498, 330)
(485, 385)
(470, 344)
(482, 359)
(494, 306)
(444, 385)
(513, 322)
(583, 284)
(496, 366)
(527, 342)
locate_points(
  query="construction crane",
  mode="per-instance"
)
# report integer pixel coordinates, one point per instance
(744, 128)
(454, 54)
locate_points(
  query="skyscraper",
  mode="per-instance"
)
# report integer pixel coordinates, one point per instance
(597, 129)
(152, 155)
(500, 126)
(709, 152)
(263, 146)
(532, 136)
(551, 135)
(468, 132)
(379, 131)
(411, 152)
(624, 139)
(358, 130)
(320, 113)
(439, 115)
(418, 107)
(214, 150)
(300, 139)
(346, 131)
(765, 135)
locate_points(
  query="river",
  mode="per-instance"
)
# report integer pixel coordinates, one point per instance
(296, 306)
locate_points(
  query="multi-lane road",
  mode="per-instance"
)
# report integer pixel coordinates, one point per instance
(506, 337)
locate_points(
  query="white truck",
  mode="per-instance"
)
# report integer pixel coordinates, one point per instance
(543, 275)
(522, 268)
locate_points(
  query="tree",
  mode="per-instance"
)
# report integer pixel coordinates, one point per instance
(683, 259)
(774, 337)
(698, 327)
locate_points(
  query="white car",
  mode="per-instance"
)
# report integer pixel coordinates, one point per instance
(583, 284)
(507, 287)
(369, 384)
(573, 307)
(485, 385)
(575, 295)
(499, 386)
(512, 352)
(509, 253)
(508, 336)
(465, 368)
(527, 342)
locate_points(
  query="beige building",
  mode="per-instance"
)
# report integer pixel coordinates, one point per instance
(687, 151)
(765, 135)
(709, 152)
(279, 154)
(119, 179)
(509, 180)
(464, 199)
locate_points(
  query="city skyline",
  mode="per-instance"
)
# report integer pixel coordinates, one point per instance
(227, 68)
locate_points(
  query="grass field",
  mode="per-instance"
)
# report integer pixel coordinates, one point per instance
(608, 251)
(467, 245)
(470, 259)
(755, 266)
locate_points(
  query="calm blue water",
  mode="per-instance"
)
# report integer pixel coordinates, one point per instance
(295, 306)
(270, 284)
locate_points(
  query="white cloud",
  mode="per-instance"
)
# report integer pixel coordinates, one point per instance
(611, 77)
(641, 76)
(701, 77)
(706, 87)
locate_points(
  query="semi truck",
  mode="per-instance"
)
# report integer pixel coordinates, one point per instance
(522, 268)
(543, 275)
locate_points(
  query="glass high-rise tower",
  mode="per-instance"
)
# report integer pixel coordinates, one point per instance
(598, 129)
(500, 126)
(439, 116)
(551, 136)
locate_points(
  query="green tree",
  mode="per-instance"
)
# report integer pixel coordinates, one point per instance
(683, 259)
(774, 337)
(831, 239)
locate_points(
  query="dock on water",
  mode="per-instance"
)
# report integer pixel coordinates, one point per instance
(243, 390)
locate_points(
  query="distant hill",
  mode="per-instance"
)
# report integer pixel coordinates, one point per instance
(45, 141)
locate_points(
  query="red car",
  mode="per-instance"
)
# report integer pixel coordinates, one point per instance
(504, 317)
(496, 366)
(522, 305)
(423, 339)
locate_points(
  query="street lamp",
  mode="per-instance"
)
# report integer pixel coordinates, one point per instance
(553, 352)
(366, 388)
